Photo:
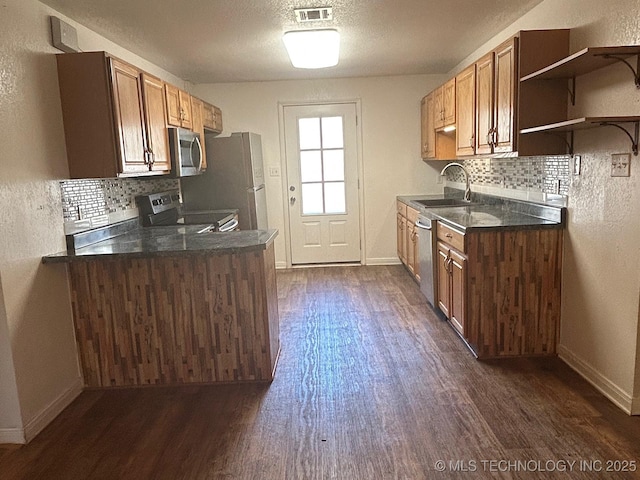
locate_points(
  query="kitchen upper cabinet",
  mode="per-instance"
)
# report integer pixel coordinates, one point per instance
(111, 117)
(436, 143)
(198, 113)
(496, 88)
(449, 103)
(212, 118)
(128, 109)
(428, 132)
(505, 97)
(444, 104)
(490, 106)
(484, 104)
(154, 113)
(465, 111)
(179, 112)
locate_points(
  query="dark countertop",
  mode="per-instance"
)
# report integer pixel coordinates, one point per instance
(169, 241)
(490, 213)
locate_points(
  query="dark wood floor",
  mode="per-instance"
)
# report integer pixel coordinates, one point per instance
(371, 384)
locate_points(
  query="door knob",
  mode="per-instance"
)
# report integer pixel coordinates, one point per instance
(292, 188)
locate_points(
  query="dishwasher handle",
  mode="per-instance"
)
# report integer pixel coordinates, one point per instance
(419, 224)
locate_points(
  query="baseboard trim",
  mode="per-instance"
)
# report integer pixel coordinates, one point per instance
(605, 386)
(34, 426)
(383, 261)
(12, 435)
(281, 265)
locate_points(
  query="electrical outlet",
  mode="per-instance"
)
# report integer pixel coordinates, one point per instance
(577, 164)
(620, 165)
(274, 171)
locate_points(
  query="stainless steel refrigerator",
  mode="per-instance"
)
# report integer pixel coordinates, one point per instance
(234, 179)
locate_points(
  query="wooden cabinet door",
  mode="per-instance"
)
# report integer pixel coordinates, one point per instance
(457, 270)
(172, 95)
(411, 259)
(465, 111)
(414, 245)
(402, 238)
(197, 110)
(209, 117)
(438, 107)
(129, 117)
(443, 280)
(218, 119)
(155, 119)
(484, 104)
(185, 110)
(506, 81)
(178, 107)
(428, 134)
(449, 102)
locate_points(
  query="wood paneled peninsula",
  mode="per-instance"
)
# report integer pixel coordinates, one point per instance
(170, 305)
(498, 273)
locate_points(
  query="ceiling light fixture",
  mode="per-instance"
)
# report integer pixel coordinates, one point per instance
(313, 48)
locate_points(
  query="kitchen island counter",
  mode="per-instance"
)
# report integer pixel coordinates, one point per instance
(169, 306)
(169, 241)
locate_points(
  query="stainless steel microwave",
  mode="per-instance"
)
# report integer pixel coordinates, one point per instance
(186, 152)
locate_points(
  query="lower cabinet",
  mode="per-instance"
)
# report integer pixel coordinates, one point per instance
(402, 232)
(407, 238)
(501, 289)
(451, 269)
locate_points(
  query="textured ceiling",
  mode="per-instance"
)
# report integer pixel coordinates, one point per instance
(208, 41)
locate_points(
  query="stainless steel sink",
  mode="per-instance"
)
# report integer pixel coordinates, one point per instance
(444, 202)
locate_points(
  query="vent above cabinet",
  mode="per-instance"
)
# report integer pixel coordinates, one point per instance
(316, 14)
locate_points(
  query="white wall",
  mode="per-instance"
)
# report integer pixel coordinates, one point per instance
(599, 334)
(39, 374)
(390, 142)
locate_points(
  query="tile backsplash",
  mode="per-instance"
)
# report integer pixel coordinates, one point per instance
(91, 198)
(540, 174)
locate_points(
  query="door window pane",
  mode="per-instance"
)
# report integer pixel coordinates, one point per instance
(312, 198)
(333, 165)
(332, 132)
(334, 197)
(311, 166)
(322, 169)
(309, 131)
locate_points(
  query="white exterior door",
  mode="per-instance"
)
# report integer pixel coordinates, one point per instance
(322, 174)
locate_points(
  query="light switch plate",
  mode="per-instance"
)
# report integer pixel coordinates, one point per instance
(620, 164)
(577, 164)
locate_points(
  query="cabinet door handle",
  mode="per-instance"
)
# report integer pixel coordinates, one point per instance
(471, 141)
(448, 235)
(495, 137)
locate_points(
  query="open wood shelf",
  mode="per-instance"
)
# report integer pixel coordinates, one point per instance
(584, 61)
(580, 124)
(591, 122)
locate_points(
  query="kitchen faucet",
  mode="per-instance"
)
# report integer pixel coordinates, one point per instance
(467, 192)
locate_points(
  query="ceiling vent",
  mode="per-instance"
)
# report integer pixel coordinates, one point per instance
(316, 14)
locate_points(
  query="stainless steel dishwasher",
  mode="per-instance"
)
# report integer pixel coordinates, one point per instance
(426, 247)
